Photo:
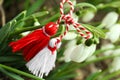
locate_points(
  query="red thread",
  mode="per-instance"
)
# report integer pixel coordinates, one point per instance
(31, 44)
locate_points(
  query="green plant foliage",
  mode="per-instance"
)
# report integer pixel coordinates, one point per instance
(12, 66)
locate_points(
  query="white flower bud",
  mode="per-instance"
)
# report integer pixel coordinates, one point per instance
(108, 46)
(114, 33)
(88, 16)
(25, 33)
(110, 19)
(36, 23)
(115, 66)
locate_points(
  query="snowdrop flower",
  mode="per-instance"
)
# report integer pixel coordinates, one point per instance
(108, 46)
(115, 65)
(82, 52)
(88, 16)
(78, 53)
(114, 33)
(110, 19)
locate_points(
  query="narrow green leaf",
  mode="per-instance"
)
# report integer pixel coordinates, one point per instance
(35, 6)
(11, 75)
(10, 58)
(92, 76)
(96, 31)
(81, 5)
(20, 72)
(114, 4)
(38, 14)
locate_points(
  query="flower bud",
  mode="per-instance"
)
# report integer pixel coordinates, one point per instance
(88, 16)
(114, 33)
(110, 19)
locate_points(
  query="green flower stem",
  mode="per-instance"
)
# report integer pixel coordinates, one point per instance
(20, 72)
(84, 64)
(100, 51)
(108, 77)
(25, 29)
(52, 18)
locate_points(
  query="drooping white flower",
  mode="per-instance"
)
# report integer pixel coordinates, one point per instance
(115, 65)
(82, 52)
(79, 53)
(114, 33)
(110, 19)
(88, 16)
(106, 47)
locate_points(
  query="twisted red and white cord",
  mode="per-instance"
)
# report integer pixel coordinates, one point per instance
(69, 21)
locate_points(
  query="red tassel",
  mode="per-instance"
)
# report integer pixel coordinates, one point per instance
(34, 42)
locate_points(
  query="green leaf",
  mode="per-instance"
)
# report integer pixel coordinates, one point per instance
(20, 72)
(114, 4)
(38, 14)
(81, 5)
(35, 6)
(92, 76)
(11, 75)
(96, 31)
(10, 58)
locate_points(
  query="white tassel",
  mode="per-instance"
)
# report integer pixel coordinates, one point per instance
(44, 61)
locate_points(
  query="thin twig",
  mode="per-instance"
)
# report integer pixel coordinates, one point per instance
(3, 15)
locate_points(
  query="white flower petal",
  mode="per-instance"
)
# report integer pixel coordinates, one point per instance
(114, 33)
(89, 15)
(77, 53)
(116, 52)
(115, 66)
(70, 36)
(92, 49)
(36, 23)
(82, 52)
(108, 46)
(71, 43)
(110, 19)
(25, 33)
(68, 52)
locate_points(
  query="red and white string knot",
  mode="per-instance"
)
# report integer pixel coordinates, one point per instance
(70, 21)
